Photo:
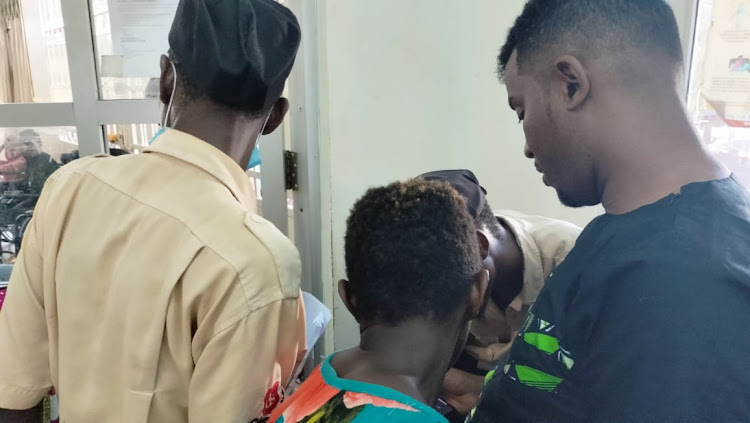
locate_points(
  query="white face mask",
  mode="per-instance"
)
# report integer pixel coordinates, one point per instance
(165, 121)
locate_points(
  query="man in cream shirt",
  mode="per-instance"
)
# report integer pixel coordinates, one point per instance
(148, 289)
(520, 252)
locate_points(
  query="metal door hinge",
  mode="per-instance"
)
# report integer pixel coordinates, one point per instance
(290, 170)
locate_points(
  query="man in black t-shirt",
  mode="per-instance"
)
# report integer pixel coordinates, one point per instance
(645, 321)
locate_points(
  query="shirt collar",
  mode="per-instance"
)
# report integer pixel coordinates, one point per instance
(189, 149)
(533, 272)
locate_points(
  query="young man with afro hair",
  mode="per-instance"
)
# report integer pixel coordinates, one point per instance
(415, 283)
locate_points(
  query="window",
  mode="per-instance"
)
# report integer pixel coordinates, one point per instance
(33, 54)
(123, 73)
(28, 156)
(719, 94)
(131, 137)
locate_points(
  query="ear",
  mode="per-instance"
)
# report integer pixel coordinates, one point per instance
(166, 79)
(279, 110)
(484, 245)
(478, 293)
(345, 293)
(572, 81)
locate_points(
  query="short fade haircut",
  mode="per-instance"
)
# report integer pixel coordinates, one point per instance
(411, 251)
(488, 219)
(593, 28)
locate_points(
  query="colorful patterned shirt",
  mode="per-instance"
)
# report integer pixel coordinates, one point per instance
(325, 397)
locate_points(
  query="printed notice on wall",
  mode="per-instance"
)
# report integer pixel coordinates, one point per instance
(726, 73)
(139, 34)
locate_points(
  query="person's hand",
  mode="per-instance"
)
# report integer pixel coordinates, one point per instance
(461, 390)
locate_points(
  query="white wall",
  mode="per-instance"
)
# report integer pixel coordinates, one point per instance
(407, 87)
(684, 11)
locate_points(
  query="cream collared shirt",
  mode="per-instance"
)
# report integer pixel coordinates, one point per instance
(544, 245)
(149, 290)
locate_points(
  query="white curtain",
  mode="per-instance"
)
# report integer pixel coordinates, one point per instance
(6, 80)
(15, 70)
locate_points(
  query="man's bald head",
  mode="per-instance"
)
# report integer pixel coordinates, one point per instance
(620, 33)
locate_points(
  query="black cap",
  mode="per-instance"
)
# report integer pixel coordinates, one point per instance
(239, 52)
(466, 183)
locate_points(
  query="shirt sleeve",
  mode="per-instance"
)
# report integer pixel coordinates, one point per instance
(24, 342)
(242, 372)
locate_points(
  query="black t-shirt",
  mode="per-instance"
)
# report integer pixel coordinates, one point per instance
(647, 320)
